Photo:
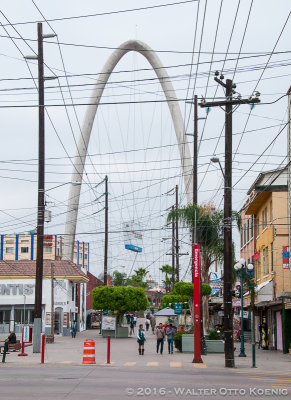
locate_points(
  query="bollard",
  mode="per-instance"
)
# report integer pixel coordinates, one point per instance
(42, 347)
(108, 349)
(22, 354)
(4, 352)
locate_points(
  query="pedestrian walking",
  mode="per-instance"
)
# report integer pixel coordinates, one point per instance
(147, 324)
(131, 325)
(160, 335)
(74, 328)
(141, 339)
(153, 323)
(170, 332)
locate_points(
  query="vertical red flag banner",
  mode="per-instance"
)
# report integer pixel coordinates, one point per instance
(196, 300)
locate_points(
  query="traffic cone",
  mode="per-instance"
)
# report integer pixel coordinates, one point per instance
(89, 352)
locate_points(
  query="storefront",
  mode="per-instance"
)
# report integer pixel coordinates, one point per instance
(17, 292)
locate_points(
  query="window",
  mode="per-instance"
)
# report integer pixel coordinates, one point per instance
(73, 292)
(86, 256)
(264, 261)
(47, 249)
(24, 241)
(258, 221)
(267, 260)
(259, 267)
(245, 234)
(272, 258)
(24, 249)
(9, 250)
(271, 211)
(248, 230)
(265, 218)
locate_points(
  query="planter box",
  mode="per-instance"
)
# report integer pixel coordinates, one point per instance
(122, 332)
(213, 346)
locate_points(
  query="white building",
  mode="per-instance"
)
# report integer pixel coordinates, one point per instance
(17, 291)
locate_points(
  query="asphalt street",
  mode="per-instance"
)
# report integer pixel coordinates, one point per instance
(125, 382)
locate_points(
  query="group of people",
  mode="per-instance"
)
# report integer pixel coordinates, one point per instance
(161, 335)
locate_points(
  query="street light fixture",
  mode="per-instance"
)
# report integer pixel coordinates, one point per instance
(241, 268)
(216, 160)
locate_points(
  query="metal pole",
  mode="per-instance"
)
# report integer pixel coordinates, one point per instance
(289, 170)
(40, 207)
(242, 339)
(52, 301)
(106, 232)
(177, 239)
(227, 286)
(108, 349)
(173, 252)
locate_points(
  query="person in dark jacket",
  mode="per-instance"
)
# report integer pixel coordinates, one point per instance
(11, 338)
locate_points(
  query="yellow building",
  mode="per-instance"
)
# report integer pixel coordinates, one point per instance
(269, 207)
(23, 247)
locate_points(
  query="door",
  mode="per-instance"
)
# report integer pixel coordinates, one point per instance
(58, 321)
(279, 330)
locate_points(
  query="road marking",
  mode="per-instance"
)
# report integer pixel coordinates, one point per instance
(175, 364)
(152, 364)
(199, 365)
(65, 362)
(130, 363)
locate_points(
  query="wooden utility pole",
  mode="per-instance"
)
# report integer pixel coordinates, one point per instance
(52, 300)
(40, 202)
(177, 239)
(106, 233)
(227, 281)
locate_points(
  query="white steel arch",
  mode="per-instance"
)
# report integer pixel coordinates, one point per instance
(80, 158)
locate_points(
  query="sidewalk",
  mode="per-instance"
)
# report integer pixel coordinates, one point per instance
(124, 354)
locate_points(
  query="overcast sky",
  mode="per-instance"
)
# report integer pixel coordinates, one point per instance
(135, 144)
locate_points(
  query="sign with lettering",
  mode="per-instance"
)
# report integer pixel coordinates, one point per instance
(285, 255)
(108, 323)
(197, 305)
(17, 289)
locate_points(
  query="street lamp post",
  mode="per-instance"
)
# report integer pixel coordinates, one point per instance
(241, 267)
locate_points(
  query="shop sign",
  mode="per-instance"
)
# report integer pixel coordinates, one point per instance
(108, 323)
(16, 289)
(285, 255)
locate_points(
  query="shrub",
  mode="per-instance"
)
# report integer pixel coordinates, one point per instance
(178, 339)
(213, 334)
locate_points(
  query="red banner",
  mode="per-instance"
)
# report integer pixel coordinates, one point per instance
(197, 307)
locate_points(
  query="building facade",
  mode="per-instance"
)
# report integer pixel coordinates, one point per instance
(23, 247)
(264, 242)
(17, 295)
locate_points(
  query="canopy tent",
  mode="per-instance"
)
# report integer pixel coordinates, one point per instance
(166, 312)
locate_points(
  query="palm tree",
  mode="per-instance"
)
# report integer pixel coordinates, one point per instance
(167, 270)
(209, 225)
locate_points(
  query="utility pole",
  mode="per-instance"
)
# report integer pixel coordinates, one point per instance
(227, 282)
(106, 232)
(177, 239)
(52, 301)
(289, 170)
(173, 251)
(37, 323)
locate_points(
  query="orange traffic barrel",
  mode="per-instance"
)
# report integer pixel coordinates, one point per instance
(89, 352)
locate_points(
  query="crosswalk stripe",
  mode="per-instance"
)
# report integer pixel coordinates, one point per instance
(130, 363)
(175, 364)
(152, 364)
(199, 365)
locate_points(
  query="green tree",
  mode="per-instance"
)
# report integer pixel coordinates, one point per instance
(167, 270)
(138, 279)
(184, 291)
(119, 278)
(209, 224)
(119, 298)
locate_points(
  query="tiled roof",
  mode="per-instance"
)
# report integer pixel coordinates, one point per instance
(26, 269)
